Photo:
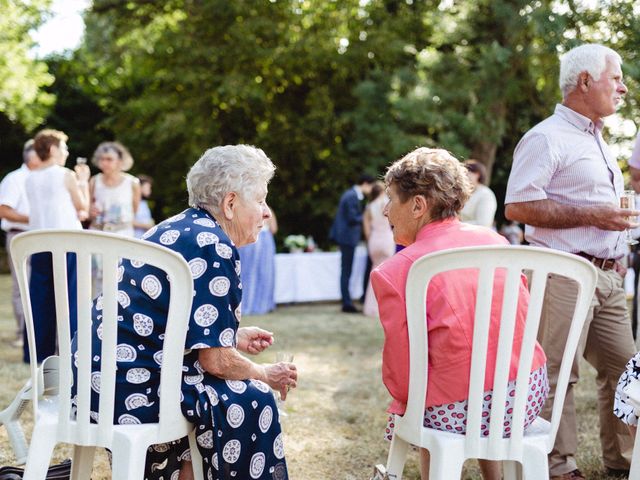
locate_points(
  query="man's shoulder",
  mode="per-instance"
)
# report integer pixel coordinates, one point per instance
(15, 175)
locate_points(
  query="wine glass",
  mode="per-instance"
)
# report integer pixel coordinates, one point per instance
(282, 356)
(628, 200)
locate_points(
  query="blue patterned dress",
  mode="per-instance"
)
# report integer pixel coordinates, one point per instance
(238, 429)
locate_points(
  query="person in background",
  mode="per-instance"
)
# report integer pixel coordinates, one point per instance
(565, 186)
(115, 195)
(427, 188)
(380, 243)
(346, 231)
(14, 212)
(259, 271)
(481, 207)
(634, 169)
(512, 232)
(58, 199)
(143, 220)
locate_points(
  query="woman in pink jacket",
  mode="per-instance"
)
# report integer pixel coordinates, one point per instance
(427, 189)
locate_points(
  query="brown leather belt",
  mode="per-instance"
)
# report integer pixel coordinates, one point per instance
(601, 263)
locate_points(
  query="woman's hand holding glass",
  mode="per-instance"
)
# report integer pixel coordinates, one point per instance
(282, 376)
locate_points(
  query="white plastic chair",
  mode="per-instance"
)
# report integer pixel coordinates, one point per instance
(10, 416)
(633, 392)
(529, 449)
(54, 421)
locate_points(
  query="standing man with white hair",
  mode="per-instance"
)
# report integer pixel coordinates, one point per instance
(14, 212)
(565, 186)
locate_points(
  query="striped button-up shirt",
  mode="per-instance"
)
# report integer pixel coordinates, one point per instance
(565, 159)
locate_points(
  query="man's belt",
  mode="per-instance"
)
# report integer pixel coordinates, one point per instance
(601, 263)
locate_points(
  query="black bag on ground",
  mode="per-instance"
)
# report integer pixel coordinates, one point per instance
(61, 471)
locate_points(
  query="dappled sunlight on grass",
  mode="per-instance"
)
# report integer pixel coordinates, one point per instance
(336, 417)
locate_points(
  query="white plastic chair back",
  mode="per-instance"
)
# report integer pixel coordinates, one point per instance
(448, 450)
(79, 430)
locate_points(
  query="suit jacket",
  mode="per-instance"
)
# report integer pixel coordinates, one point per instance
(347, 225)
(451, 303)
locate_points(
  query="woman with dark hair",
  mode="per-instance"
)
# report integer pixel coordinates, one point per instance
(481, 207)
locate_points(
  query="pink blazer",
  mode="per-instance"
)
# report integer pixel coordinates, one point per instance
(451, 303)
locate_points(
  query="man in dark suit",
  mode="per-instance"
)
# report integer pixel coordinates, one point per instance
(346, 231)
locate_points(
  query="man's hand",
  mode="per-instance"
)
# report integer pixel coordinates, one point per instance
(612, 217)
(253, 340)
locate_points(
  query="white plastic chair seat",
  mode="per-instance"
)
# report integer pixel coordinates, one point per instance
(524, 453)
(633, 393)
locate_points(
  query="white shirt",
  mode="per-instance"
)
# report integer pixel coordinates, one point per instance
(565, 159)
(481, 207)
(50, 201)
(14, 195)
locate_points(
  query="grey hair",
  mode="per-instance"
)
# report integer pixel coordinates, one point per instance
(590, 58)
(242, 169)
(28, 147)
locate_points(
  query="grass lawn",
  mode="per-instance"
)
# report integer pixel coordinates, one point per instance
(336, 416)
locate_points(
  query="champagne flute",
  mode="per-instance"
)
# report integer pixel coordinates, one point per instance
(282, 356)
(628, 200)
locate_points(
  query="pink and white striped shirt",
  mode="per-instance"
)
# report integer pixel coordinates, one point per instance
(565, 159)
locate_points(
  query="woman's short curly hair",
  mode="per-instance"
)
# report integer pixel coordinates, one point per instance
(242, 169)
(435, 174)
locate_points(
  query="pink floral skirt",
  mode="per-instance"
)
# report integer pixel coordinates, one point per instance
(453, 417)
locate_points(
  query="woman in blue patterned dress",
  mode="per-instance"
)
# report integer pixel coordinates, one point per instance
(226, 395)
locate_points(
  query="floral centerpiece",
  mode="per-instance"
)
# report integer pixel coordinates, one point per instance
(295, 243)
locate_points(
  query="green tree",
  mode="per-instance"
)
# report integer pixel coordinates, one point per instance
(22, 98)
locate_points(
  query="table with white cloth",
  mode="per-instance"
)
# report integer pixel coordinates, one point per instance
(315, 276)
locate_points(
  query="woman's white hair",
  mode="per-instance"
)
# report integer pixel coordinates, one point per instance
(242, 169)
(590, 58)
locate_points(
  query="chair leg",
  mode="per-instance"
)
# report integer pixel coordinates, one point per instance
(82, 465)
(196, 458)
(445, 466)
(535, 465)
(10, 416)
(512, 470)
(128, 459)
(40, 452)
(397, 457)
(634, 471)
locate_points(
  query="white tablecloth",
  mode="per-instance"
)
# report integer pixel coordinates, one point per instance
(314, 277)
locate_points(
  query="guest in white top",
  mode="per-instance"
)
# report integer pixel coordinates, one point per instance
(143, 220)
(115, 195)
(14, 212)
(482, 205)
(58, 198)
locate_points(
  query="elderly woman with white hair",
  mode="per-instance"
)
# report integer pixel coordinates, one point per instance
(226, 395)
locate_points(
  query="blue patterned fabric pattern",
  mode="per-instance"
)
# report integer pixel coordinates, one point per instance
(238, 429)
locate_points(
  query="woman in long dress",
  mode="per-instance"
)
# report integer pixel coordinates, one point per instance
(379, 237)
(259, 271)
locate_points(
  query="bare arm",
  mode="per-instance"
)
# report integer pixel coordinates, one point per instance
(136, 195)
(228, 364)
(78, 187)
(12, 215)
(635, 178)
(366, 223)
(273, 223)
(550, 214)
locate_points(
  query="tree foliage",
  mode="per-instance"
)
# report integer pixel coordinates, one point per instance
(329, 89)
(22, 98)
